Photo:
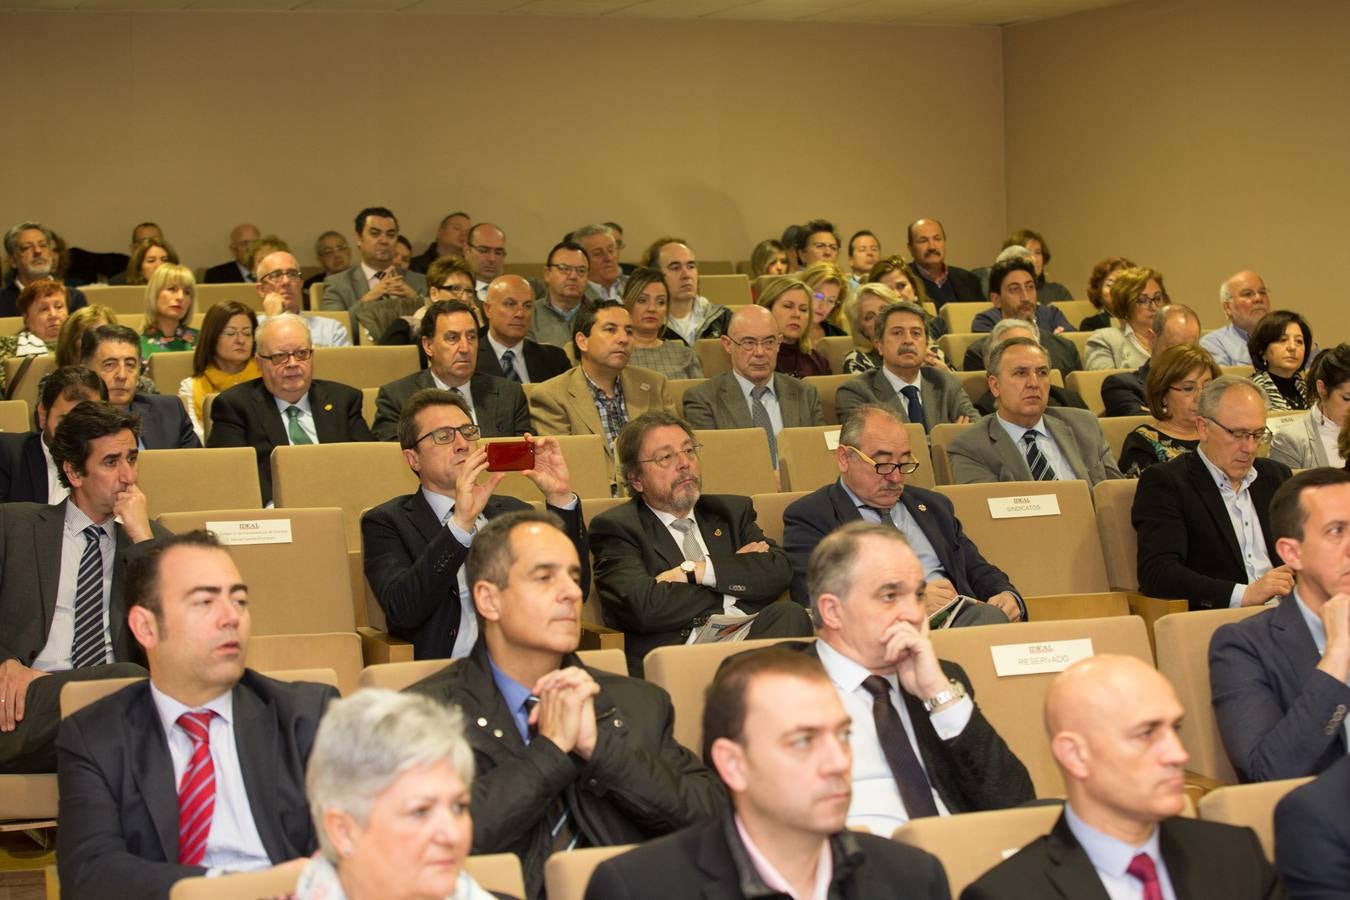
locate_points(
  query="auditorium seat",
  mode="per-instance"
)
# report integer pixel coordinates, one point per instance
(1013, 704)
(716, 267)
(11, 325)
(1046, 554)
(728, 290)
(939, 439)
(353, 476)
(28, 802)
(315, 298)
(336, 650)
(567, 874)
(127, 300)
(1249, 805)
(769, 511)
(208, 295)
(1183, 656)
(826, 386)
(970, 844)
(233, 885)
(677, 388)
(590, 470)
(499, 872)
(834, 349)
(1075, 310)
(14, 416)
(954, 346)
(711, 357)
(1240, 371)
(975, 383)
(1088, 384)
(1079, 340)
(1113, 499)
(168, 369)
(27, 387)
(960, 315)
(1116, 428)
(399, 675)
(363, 367)
(369, 399)
(736, 461)
(1059, 607)
(180, 480)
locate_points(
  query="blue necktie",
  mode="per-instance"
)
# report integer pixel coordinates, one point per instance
(915, 408)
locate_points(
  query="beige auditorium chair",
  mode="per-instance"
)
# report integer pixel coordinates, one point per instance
(1088, 384)
(727, 290)
(711, 357)
(939, 440)
(567, 874)
(338, 650)
(716, 267)
(498, 872)
(25, 388)
(208, 295)
(589, 467)
(168, 369)
(806, 460)
(1079, 340)
(960, 315)
(954, 347)
(236, 885)
(769, 512)
(1075, 310)
(736, 461)
(1249, 805)
(1116, 428)
(363, 367)
(399, 675)
(834, 349)
(370, 398)
(11, 325)
(677, 388)
(970, 844)
(199, 478)
(1048, 607)
(14, 416)
(127, 300)
(1114, 499)
(827, 386)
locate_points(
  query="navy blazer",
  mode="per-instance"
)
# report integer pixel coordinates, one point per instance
(542, 361)
(1279, 715)
(23, 468)
(1123, 393)
(1312, 836)
(223, 273)
(164, 423)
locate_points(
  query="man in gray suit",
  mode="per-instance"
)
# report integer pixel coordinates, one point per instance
(375, 279)
(903, 384)
(752, 394)
(449, 338)
(1024, 440)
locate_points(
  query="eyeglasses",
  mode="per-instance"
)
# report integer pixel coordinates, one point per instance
(333, 251)
(1189, 389)
(456, 289)
(824, 245)
(666, 460)
(280, 359)
(447, 434)
(822, 298)
(569, 270)
(1152, 302)
(489, 251)
(1260, 435)
(233, 333)
(886, 468)
(280, 275)
(750, 345)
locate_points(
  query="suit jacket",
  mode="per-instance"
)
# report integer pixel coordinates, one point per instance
(987, 404)
(710, 862)
(719, 403)
(9, 297)
(30, 575)
(1062, 352)
(225, 273)
(564, 405)
(1279, 715)
(1312, 836)
(1123, 393)
(984, 452)
(1204, 859)
(23, 468)
(1299, 446)
(1048, 318)
(809, 519)
(119, 803)
(164, 422)
(246, 415)
(941, 393)
(638, 784)
(344, 290)
(542, 361)
(631, 547)
(1187, 548)
(412, 563)
(963, 285)
(498, 404)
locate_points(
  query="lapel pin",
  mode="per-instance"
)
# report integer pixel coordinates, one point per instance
(717, 532)
(328, 407)
(922, 508)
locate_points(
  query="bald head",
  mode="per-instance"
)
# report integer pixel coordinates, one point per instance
(509, 309)
(241, 239)
(746, 318)
(1174, 324)
(755, 326)
(1088, 691)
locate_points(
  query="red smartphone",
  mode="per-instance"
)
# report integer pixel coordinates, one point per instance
(510, 456)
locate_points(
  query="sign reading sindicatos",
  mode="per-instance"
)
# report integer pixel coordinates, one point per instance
(1038, 659)
(1024, 507)
(252, 531)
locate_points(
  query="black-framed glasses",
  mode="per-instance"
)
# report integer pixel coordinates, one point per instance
(280, 359)
(459, 290)
(886, 468)
(446, 435)
(1260, 435)
(666, 460)
(569, 270)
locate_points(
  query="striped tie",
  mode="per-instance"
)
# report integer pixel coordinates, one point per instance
(1040, 466)
(509, 366)
(197, 791)
(86, 647)
(759, 417)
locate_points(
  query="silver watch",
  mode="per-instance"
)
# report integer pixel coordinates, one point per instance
(956, 691)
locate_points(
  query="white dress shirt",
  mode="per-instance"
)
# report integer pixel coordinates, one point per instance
(56, 653)
(1111, 857)
(463, 390)
(517, 360)
(305, 419)
(1044, 442)
(56, 491)
(444, 508)
(709, 578)
(1246, 526)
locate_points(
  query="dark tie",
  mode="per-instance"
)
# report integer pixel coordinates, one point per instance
(563, 832)
(1040, 466)
(509, 366)
(1142, 867)
(293, 429)
(885, 515)
(759, 417)
(197, 790)
(915, 791)
(914, 408)
(86, 647)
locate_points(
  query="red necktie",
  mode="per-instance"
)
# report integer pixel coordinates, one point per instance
(197, 791)
(1142, 867)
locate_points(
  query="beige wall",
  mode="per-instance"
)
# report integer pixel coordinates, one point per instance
(1197, 137)
(717, 131)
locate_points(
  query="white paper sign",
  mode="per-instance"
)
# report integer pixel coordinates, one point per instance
(1037, 659)
(1024, 507)
(252, 531)
(832, 439)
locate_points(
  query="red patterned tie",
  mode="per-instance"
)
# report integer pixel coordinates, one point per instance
(197, 791)
(1142, 867)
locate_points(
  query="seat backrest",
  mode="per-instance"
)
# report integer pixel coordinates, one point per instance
(960, 315)
(1116, 428)
(11, 325)
(76, 695)
(337, 650)
(368, 473)
(1249, 805)
(590, 469)
(567, 874)
(769, 511)
(975, 383)
(1079, 339)
(363, 367)
(1183, 656)
(1075, 310)
(199, 478)
(970, 844)
(717, 267)
(1013, 704)
(30, 801)
(727, 290)
(499, 872)
(939, 439)
(315, 296)
(1245, 371)
(168, 369)
(397, 676)
(677, 388)
(827, 386)
(1048, 607)
(685, 671)
(127, 300)
(27, 388)
(711, 357)
(533, 270)
(807, 461)
(1078, 568)
(954, 347)
(736, 461)
(298, 583)
(272, 882)
(14, 416)
(208, 295)
(1114, 498)
(1088, 384)
(834, 349)
(369, 397)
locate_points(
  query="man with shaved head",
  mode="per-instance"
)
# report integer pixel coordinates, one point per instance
(509, 310)
(1113, 726)
(1245, 301)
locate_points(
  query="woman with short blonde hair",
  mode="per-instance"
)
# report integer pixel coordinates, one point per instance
(169, 298)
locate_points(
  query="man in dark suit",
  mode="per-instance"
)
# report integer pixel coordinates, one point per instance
(1279, 679)
(1006, 330)
(27, 471)
(56, 624)
(866, 587)
(239, 269)
(316, 412)
(1184, 509)
(449, 336)
(874, 457)
(671, 557)
(199, 770)
(113, 352)
(943, 283)
(752, 394)
(1312, 836)
(1013, 294)
(509, 309)
(1112, 722)
(32, 254)
(1123, 394)
(564, 755)
(415, 546)
(787, 829)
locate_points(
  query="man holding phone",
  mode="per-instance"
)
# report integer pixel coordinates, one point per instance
(415, 546)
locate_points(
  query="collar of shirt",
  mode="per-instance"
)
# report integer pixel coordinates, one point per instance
(170, 709)
(858, 502)
(666, 518)
(747, 386)
(498, 348)
(1016, 431)
(597, 392)
(612, 293)
(370, 274)
(515, 694)
(441, 505)
(56, 491)
(1238, 332)
(773, 879)
(1314, 623)
(941, 278)
(897, 382)
(1108, 854)
(1221, 479)
(847, 674)
(303, 403)
(76, 521)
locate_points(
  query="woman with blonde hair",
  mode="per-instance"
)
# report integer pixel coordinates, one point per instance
(789, 299)
(1136, 295)
(168, 308)
(655, 346)
(829, 291)
(73, 329)
(223, 358)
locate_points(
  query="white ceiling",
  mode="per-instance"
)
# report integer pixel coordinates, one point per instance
(876, 12)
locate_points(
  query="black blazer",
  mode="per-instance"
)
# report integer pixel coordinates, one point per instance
(1123, 393)
(246, 415)
(709, 862)
(412, 563)
(1204, 859)
(23, 468)
(9, 297)
(499, 405)
(631, 547)
(809, 519)
(1187, 549)
(542, 361)
(1279, 715)
(962, 283)
(1063, 354)
(1312, 836)
(225, 273)
(119, 804)
(164, 423)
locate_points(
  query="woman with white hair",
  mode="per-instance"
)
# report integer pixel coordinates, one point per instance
(388, 786)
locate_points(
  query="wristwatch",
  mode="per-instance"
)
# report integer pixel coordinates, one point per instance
(689, 568)
(956, 691)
